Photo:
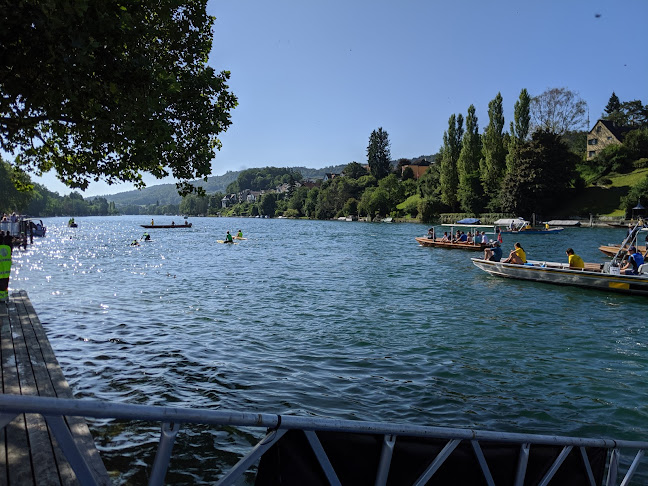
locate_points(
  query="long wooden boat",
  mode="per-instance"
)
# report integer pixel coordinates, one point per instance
(436, 242)
(611, 250)
(151, 226)
(603, 277)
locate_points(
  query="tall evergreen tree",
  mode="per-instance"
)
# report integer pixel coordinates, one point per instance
(449, 178)
(613, 106)
(520, 125)
(378, 154)
(493, 163)
(469, 192)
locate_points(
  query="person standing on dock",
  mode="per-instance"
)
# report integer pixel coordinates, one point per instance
(5, 265)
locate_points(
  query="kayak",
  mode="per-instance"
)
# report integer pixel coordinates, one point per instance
(227, 242)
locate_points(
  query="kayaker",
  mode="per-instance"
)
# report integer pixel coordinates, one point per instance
(239, 234)
(228, 238)
(146, 236)
(135, 243)
(635, 260)
(574, 260)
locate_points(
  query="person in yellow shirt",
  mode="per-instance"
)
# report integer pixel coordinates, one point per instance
(517, 255)
(575, 261)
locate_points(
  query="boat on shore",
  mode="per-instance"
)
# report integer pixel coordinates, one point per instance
(606, 276)
(151, 226)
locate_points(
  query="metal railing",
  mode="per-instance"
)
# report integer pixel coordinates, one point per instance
(53, 410)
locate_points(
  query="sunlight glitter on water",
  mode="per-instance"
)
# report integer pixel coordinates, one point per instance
(348, 320)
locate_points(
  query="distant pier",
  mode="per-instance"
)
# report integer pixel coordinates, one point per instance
(29, 452)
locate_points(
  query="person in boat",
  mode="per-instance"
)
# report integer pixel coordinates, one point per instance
(574, 260)
(445, 238)
(152, 223)
(172, 223)
(484, 238)
(239, 234)
(228, 238)
(635, 260)
(477, 238)
(517, 255)
(469, 238)
(463, 237)
(494, 253)
(430, 234)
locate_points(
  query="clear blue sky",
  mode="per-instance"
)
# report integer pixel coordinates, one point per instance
(314, 79)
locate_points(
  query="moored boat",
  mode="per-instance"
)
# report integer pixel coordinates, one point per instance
(521, 226)
(453, 243)
(607, 276)
(151, 226)
(611, 250)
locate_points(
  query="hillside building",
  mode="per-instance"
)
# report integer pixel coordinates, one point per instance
(604, 133)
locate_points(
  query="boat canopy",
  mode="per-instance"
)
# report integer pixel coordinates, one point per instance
(509, 221)
(469, 221)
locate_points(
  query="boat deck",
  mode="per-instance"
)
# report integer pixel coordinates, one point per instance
(29, 452)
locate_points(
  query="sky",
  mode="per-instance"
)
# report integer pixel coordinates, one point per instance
(315, 78)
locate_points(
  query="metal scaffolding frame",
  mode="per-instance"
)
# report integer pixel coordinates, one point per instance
(54, 409)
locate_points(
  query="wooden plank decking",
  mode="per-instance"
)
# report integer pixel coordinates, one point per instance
(29, 454)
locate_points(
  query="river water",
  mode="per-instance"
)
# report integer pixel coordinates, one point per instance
(331, 319)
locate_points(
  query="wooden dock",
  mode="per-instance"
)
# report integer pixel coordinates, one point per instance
(29, 453)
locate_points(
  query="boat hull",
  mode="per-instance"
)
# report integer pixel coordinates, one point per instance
(148, 226)
(561, 274)
(549, 231)
(611, 250)
(423, 241)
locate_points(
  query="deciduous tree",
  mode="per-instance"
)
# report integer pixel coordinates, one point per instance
(544, 170)
(109, 90)
(558, 110)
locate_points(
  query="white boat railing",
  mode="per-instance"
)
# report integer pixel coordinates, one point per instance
(54, 409)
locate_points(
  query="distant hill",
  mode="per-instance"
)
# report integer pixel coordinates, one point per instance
(168, 194)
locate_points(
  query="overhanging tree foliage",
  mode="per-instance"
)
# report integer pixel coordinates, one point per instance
(106, 90)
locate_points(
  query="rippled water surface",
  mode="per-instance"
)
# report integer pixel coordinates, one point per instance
(334, 319)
